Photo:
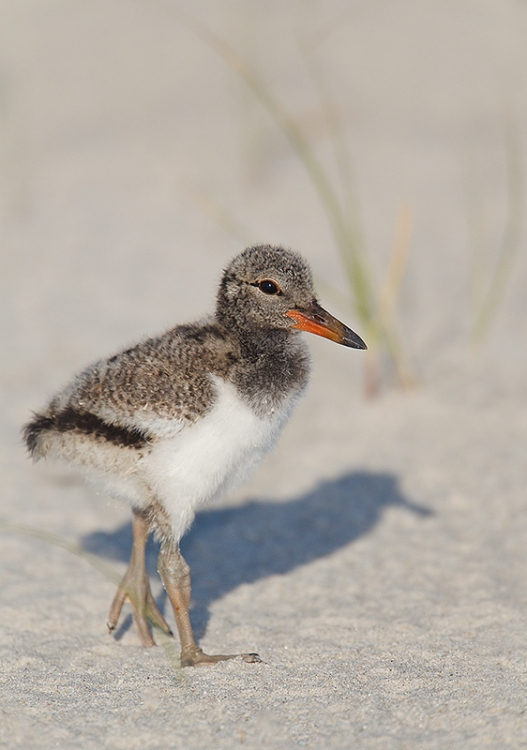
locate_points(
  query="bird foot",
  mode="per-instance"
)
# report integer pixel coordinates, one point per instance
(135, 588)
(197, 658)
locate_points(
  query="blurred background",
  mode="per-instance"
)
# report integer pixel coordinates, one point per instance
(135, 160)
(143, 143)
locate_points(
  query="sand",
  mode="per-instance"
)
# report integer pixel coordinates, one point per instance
(376, 561)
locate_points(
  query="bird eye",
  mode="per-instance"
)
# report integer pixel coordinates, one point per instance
(268, 287)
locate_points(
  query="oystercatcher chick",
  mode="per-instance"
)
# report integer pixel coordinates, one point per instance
(180, 419)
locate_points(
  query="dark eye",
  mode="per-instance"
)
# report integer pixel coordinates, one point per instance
(268, 287)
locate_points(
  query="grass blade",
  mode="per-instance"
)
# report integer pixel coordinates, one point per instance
(511, 240)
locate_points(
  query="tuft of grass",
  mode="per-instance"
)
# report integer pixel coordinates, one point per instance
(375, 310)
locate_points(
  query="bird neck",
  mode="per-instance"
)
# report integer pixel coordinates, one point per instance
(273, 366)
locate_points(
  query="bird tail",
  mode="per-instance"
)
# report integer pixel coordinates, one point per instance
(33, 431)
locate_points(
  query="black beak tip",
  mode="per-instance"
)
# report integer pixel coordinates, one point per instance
(353, 340)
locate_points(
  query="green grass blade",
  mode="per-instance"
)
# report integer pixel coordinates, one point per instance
(302, 147)
(511, 239)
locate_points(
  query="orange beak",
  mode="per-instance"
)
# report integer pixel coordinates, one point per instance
(317, 320)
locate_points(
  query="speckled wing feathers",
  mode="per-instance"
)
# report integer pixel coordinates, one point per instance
(124, 398)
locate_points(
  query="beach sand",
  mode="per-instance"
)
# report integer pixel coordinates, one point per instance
(377, 559)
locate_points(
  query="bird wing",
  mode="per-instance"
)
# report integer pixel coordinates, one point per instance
(155, 388)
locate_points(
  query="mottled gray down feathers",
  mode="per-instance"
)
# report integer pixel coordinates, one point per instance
(249, 342)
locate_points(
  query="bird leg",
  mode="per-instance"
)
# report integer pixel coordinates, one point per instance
(175, 575)
(135, 587)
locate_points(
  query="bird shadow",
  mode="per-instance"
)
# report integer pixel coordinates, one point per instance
(227, 547)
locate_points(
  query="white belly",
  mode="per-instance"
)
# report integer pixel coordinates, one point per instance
(211, 457)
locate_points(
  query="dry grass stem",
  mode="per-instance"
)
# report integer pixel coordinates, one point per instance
(221, 215)
(341, 212)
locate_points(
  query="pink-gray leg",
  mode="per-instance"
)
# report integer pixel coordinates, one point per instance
(135, 587)
(175, 575)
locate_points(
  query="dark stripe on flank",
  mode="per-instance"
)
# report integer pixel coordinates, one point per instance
(33, 429)
(72, 420)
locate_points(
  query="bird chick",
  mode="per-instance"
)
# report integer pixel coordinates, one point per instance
(180, 419)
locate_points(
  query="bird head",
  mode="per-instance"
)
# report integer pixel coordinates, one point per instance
(270, 288)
